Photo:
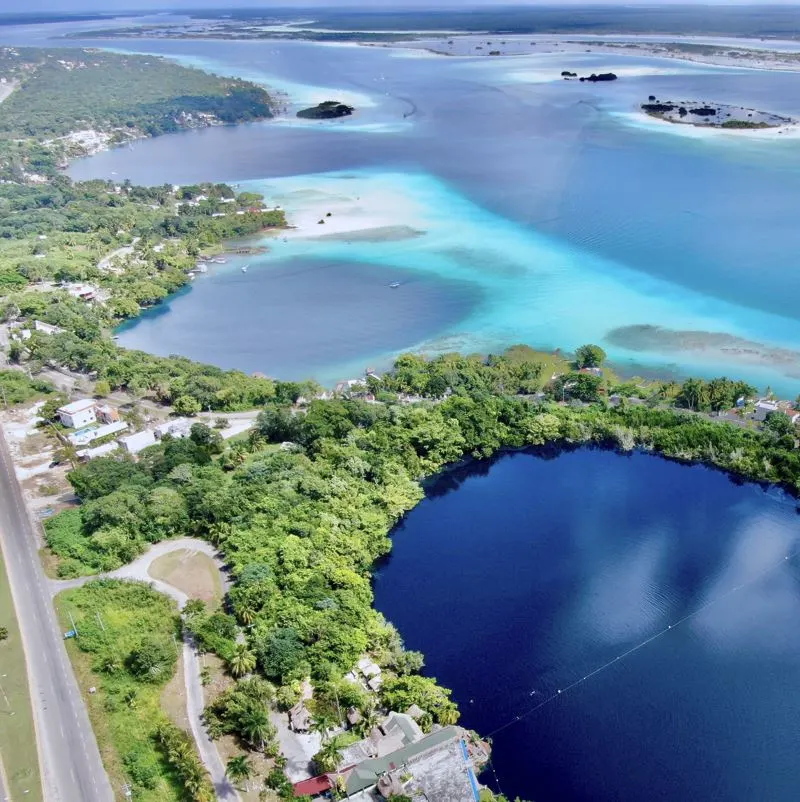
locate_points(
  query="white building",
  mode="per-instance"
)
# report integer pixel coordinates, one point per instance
(134, 443)
(78, 413)
(100, 451)
(178, 428)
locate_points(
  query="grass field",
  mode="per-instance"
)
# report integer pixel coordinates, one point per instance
(17, 735)
(113, 619)
(191, 572)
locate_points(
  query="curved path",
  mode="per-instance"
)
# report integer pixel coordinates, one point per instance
(195, 701)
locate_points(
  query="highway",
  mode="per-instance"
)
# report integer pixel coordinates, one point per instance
(71, 768)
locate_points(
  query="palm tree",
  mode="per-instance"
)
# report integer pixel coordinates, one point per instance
(369, 720)
(322, 724)
(694, 393)
(246, 613)
(242, 661)
(328, 757)
(256, 728)
(239, 769)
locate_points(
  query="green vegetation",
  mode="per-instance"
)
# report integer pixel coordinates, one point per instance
(17, 388)
(120, 95)
(127, 648)
(18, 752)
(745, 124)
(53, 240)
(244, 711)
(589, 356)
(302, 528)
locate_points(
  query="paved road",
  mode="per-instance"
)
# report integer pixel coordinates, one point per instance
(195, 700)
(71, 768)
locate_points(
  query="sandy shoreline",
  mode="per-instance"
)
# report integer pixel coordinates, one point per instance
(640, 119)
(341, 208)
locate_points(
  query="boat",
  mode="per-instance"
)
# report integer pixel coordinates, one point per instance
(244, 268)
(394, 285)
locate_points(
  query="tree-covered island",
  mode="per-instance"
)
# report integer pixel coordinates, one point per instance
(713, 115)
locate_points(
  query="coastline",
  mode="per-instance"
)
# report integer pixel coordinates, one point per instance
(641, 119)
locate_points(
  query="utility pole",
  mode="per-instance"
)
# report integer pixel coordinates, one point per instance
(72, 621)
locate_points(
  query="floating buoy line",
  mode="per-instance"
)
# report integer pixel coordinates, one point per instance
(571, 686)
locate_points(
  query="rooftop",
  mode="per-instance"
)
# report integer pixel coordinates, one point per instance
(366, 774)
(77, 406)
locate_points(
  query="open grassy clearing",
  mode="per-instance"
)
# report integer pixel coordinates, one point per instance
(116, 621)
(17, 734)
(192, 572)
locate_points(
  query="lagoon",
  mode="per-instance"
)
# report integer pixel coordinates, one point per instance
(535, 570)
(573, 218)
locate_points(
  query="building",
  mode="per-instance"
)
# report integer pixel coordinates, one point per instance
(106, 413)
(84, 292)
(396, 731)
(78, 413)
(300, 718)
(134, 443)
(437, 767)
(178, 428)
(763, 408)
(87, 436)
(101, 451)
(371, 672)
(46, 328)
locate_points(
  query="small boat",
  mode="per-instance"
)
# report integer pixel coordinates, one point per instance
(394, 285)
(244, 268)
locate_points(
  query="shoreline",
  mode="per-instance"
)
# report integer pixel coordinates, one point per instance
(642, 119)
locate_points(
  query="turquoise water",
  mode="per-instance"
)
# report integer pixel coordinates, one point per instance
(571, 218)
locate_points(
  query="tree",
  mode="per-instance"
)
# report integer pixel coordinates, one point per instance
(239, 769)
(693, 394)
(778, 423)
(328, 757)
(256, 728)
(280, 653)
(205, 437)
(242, 661)
(152, 660)
(369, 720)
(400, 693)
(589, 356)
(186, 405)
(323, 724)
(3, 633)
(102, 388)
(277, 424)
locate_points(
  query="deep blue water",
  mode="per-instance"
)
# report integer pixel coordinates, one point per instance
(518, 576)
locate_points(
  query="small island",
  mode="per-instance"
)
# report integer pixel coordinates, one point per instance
(593, 78)
(713, 115)
(327, 110)
(603, 76)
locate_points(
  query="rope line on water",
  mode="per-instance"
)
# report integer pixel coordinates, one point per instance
(561, 691)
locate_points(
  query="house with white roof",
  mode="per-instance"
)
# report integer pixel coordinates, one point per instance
(78, 413)
(134, 443)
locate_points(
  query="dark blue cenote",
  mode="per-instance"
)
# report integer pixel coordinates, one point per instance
(518, 576)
